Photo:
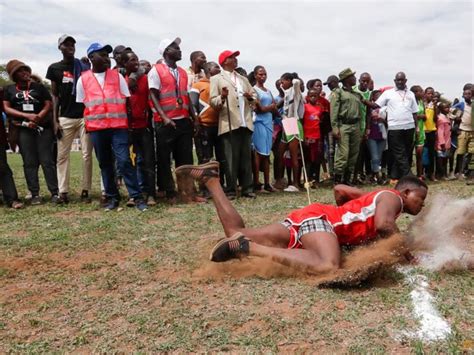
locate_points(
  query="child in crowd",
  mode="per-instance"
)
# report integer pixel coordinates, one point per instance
(377, 140)
(420, 138)
(443, 140)
(312, 134)
(293, 106)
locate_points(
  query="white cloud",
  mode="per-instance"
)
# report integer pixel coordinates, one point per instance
(432, 41)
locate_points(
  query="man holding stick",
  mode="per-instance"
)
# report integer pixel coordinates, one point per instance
(233, 97)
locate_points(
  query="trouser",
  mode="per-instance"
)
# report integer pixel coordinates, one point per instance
(331, 144)
(277, 163)
(144, 146)
(207, 145)
(36, 148)
(238, 159)
(363, 164)
(376, 148)
(400, 144)
(347, 150)
(70, 128)
(7, 184)
(177, 141)
(430, 142)
(110, 143)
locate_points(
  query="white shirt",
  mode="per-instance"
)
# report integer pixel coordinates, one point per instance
(240, 94)
(401, 105)
(80, 95)
(154, 81)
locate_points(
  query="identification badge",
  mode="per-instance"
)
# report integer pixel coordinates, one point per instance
(28, 107)
(179, 102)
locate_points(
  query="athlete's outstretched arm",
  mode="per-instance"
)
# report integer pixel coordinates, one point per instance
(388, 208)
(344, 193)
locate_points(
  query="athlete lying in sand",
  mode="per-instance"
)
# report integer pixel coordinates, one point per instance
(311, 237)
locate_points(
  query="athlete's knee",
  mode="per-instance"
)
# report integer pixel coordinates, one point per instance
(330, 264)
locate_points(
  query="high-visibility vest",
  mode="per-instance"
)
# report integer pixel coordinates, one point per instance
(104, 108)
(171, 93)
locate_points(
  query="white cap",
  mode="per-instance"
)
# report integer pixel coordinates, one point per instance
(165, 43)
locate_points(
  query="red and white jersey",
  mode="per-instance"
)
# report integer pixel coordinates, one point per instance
(353, 222)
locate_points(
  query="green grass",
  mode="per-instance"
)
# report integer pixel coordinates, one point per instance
(74, 278)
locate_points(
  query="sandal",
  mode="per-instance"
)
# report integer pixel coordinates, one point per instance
(201, 172)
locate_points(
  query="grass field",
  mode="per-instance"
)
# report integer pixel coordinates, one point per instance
(74, 278)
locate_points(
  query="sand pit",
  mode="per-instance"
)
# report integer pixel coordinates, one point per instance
(357, 266)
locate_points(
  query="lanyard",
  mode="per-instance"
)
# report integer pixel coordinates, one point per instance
(26, 93)
(175, 74)
(405, 94)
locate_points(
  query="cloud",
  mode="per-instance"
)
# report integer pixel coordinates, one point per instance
(431, 41)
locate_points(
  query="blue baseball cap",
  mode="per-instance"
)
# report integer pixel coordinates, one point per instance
(96, 47)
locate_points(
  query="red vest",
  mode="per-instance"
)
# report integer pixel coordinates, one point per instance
(170, 93)
(104, 108)
(139, 103)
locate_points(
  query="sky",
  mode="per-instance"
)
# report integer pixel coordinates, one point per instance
(431, 41)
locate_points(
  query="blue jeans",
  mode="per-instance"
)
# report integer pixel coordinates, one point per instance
(376, 148)
(107, 144)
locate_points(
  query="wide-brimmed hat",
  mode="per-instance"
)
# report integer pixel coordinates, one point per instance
(14, 65)
(346, 73)
(226, 54)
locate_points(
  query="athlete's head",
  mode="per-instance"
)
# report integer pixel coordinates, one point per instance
(413, 192)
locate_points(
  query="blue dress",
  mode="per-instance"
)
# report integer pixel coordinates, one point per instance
(263, 125)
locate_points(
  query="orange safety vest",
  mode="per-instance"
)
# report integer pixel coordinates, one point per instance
(104, 108)
(170, 93)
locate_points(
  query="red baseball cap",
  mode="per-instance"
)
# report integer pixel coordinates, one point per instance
(226, 54)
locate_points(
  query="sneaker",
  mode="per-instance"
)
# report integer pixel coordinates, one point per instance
(111, 204)
(451, 176)
(150, 201)
(268, 188)
(85, 197)
(291, 188)
(140, 205)
(202, 172)
(103, 200)
(64, 197)
(130, 203)
(55, 199)
(36, 200)
(16, 205)
(249, 195)
(230, 248)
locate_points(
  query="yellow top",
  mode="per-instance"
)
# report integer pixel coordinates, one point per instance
(430, 124)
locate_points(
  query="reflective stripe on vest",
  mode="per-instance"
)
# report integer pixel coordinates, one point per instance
(168, 99)
(104, 107)
(107, 101)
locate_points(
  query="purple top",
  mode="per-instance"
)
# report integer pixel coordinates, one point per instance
(375, 132)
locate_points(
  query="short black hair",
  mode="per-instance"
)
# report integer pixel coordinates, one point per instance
(467, 86)
(410, 181)
(124, 55)
(194, 55)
